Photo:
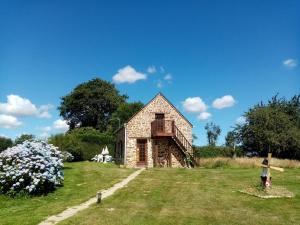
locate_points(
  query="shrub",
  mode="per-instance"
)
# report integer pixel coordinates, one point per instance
(216, 151)
(24, 137)
(5, 143)
(32, 168)
(83, 143)
(67, 156)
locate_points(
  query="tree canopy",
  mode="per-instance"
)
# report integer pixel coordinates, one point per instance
(91, 104)
(24, 137)
(123, 113)
(212, 131)
(83, 143)
(5, 143)
(230, 139)
(273, 127)
(93, 110)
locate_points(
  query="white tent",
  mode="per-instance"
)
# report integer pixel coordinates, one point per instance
(105, 151)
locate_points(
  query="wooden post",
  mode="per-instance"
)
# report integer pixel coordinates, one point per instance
(268, 169)
(99, 196)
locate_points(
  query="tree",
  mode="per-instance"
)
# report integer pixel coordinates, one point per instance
(124, 112)
(230, 139)
(213, 131)
(5, 143)
(83, 143)
(272, 127)
(230, 142)
(290, 107)
(24, 137)
(91, 104)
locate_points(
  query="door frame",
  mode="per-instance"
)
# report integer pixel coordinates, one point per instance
(141, 142)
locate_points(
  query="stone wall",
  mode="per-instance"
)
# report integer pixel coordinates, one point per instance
(132, 152)
(170, 152)
(140, 127)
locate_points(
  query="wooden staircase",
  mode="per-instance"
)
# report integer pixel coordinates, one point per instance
(167, 128)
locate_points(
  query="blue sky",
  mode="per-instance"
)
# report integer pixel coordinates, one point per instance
(198, 51)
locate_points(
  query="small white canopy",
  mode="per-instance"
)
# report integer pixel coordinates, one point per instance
(105, 151)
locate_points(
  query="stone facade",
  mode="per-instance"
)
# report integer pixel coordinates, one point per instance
(139, 128)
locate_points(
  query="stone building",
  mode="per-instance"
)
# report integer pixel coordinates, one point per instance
(156, 136)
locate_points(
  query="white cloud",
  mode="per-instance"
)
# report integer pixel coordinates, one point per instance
(240, 120)
(290, 63)
(7, 121)
(168, 77)
(162, 69)
(159, 84)
(223, 102)
(43, 111)
(60, 125)
(204, 116)
(46, 129)
(128, 75)
(18, 106)
(194, 105)
(151, 69)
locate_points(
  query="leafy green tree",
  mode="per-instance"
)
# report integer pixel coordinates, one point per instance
(5, 143)
(91, 104)
(272, 127)
(213, 131)
(124, 112)
(24, 137)
(290, 107)
(230, 139)
(83, 143)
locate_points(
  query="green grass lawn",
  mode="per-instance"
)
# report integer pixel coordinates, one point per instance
(195, 196)
(82, 181)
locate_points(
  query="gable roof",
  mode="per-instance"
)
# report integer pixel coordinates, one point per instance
(158, 94)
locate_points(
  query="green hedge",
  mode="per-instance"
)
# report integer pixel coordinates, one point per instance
(83, 143)
(216, 151)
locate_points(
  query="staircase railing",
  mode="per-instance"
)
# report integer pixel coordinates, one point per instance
(182, 140)
(185, 145)
(164, 128)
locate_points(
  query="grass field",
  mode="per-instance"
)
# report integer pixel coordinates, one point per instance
(196, 196)
(244, 162)
(82, 181)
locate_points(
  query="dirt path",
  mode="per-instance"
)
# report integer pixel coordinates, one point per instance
(75, 209)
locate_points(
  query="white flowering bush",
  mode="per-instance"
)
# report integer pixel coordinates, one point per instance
(67, 156)
(33, 167)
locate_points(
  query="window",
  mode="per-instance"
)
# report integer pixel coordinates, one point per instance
(159, 116)
(142, 145)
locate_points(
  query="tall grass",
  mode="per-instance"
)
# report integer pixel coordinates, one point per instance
(246, 162)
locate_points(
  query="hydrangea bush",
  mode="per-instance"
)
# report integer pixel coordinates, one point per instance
(67, 156)
(33, 167)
